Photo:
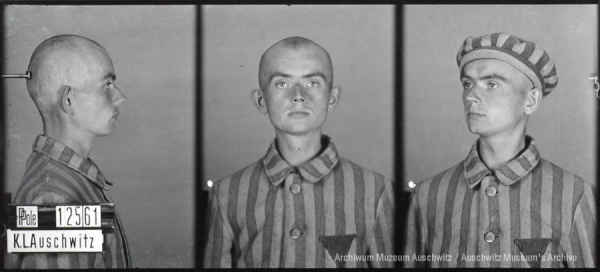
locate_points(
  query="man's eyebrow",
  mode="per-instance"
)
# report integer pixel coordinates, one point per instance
(278, 74)
(493, 76)
(109, 76)
(490, 76)
(315, 74)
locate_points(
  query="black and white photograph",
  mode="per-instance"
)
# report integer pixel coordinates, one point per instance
(298, 135)
(116, 84)
(500, 135)
(406, 136)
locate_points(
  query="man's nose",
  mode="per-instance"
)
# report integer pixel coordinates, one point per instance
(298, 95)
(119, 97)
(472, 95)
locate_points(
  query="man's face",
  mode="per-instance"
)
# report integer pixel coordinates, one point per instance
(494, 97)
(98, 99)
(296, 88)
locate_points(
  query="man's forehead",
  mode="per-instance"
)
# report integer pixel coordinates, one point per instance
(295, 66)
(295, 54)
(305, 50)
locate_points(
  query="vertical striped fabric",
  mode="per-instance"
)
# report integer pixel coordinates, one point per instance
(478, 216)
(55, 174)
(255, 212)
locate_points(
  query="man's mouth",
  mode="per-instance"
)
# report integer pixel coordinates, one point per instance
(298, 113)
(474, 114)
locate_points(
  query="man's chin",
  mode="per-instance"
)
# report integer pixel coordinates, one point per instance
(480, 132)
(475, 129)
(297, 127)
(106, 132)
(298, 130)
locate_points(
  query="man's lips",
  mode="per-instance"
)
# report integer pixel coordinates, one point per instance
(474, 114)
(298, 113)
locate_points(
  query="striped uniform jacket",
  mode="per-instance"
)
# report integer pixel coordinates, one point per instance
(527, 213)
(328, 212)
(55, 174)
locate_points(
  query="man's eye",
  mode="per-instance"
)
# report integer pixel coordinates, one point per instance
(492, 85)
(313, 84)
(109, 84)
(467, 85)
(280, 84)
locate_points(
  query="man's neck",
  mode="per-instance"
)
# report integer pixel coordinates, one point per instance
(496, 151)
(297, 150)
(80, 144)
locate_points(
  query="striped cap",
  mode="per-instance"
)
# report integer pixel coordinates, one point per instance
(525, 56)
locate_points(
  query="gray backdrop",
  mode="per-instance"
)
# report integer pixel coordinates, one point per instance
(360, 40)
(436, 135)
(150, 156)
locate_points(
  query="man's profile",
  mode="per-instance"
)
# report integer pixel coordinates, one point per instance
(73, 87)
(504, 205)
(301, 205)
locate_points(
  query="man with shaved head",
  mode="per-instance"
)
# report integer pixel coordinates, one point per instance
(301, 205)
(503, 205)
(73, 87)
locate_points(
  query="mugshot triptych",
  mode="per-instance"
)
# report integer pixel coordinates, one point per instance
(299, 136)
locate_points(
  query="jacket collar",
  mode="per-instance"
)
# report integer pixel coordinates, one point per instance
(475, 170)
(67, 156)
(278, 169)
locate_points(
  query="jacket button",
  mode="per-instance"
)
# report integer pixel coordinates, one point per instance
(295, 188)
(295, 233)
(491, 191)
(489, 236)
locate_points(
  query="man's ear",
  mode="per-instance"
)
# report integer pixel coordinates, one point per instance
(66, 98)
(258, 99)
(533, 100)
(336, 92)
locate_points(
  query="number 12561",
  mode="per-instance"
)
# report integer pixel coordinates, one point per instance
(78, 216)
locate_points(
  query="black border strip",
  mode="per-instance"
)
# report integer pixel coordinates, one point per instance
(3, 143)
(296, 2)
(401, 196)
(201, 226)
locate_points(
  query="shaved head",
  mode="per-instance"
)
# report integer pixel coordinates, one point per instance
(60, 61)
(299, 46)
